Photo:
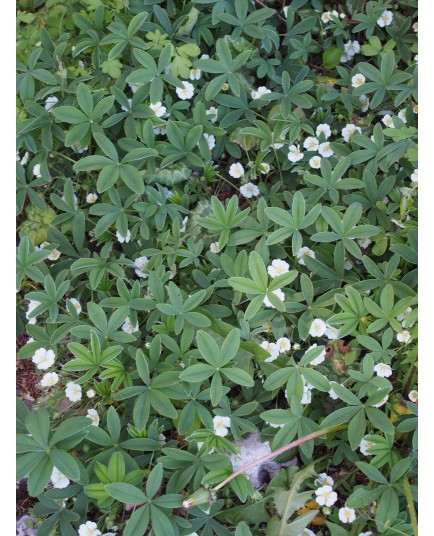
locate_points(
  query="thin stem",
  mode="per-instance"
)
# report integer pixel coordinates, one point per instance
(277, 452)
(410, 504)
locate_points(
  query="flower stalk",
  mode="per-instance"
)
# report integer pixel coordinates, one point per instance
(410, 504)
(188, 503)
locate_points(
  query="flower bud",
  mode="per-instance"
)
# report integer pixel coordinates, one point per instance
(200, 496)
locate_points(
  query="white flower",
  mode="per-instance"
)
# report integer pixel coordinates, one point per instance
(404, 337)
(58, 479)
(221, 425)
(283, 345)
(37, 171)
(385, 19)
(415, 27)
(303, 252)
(306, 532)
(311, 144)
(318, 360)
(25, 158)
(331, 333)
(186, 92)
(49, 379)
(382, 402)
(89, 529)
(92, 414)
(265, 168)
(260, 92)
(401, 115)
(413, 396)
(277, 267)
(369, 533)
(135, 87)
(315, 162)
(160, 130)
(383, 370)
(32, 305)
(91, 198)
(352, 48)
(285, 11)
(210, 140)
(90, 394)
(214, 247)
(236, 170)
(325, 129)
(43, 359)
(50, 102)
(307, 395)
(204, 57)
(141, 264)
(123, 239)
(358, 80)
(167, 192)
(345, 58)
(184, 225)
(333, 395)
(388, 121)
(249, 190)
(124, 108)
(416, 58)
(349, 130)
(318, 328)
(326, 16)
(415, 108)
(364, 242)
(415, 176)
(213, 113)
(278, 145)
(128, 327)
(365, 103)
(278, 292)
(158, 109)
(325, 496)
(295, 154)
(347, 515)
(76, 305)
(325, 150)
(195, 74)
(73, 391)
(54, 255)
(272, 349)
(364, 445)
(324, 480)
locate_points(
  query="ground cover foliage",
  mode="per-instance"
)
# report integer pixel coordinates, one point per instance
(217, 257)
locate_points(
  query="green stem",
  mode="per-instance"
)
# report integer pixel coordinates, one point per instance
(280, 451)
(410, 504)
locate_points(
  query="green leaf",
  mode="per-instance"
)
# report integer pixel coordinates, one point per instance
(125, 493)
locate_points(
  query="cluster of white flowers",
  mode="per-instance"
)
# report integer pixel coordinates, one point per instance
(281, 346)
(186, 92)
(260, 92)
(385, 19)
(221, 425)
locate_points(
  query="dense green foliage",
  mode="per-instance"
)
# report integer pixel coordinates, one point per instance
(217, 218)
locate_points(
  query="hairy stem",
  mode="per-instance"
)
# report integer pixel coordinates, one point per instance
(410, 504)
